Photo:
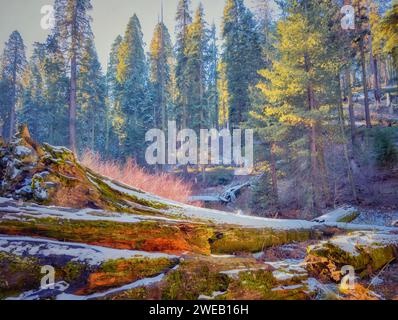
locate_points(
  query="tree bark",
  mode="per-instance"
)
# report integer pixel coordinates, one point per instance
(350, 105)
(313, 142)
(73, 84)
(365, 84)
(345, 147)
(274, 175)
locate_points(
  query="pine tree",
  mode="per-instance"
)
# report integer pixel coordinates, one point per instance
(213, 77)
(265, 15)
(91, 93)
(387, 35)
(45, 94)
(56, 92)
(223, 97)
(196, 65)
(33, 101)
(161, 60)
(73, 28)
(132, 73)
(13, 64)
(242, 57)
(302, 90)
(114, 90)
(183, 20)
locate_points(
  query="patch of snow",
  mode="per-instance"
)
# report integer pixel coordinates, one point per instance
(92, 255)
(36, 211)
(289, 266)
(258, 255)
(22, 151)
(235, 272)
(376, 281)
(5, 200)
(283, 276)
(379, 218)
(363, 239)
(137, 284)
(44, 293)
(285, 288)
(337, 215)
(212, 297)
(222, 256)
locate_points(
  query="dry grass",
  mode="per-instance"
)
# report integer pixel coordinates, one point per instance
(161, 184)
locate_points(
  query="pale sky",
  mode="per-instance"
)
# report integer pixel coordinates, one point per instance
(110, 18)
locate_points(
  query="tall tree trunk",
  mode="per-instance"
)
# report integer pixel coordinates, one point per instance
(384, 72)
(350, 104)
(365, 84)
(274, 175)
(376, 82)
(324, 174)
(313, 143)
(73, 84)
(346, 151)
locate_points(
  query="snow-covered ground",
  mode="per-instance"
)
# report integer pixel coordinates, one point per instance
(377, 218)
(17, 211)
(352, 242)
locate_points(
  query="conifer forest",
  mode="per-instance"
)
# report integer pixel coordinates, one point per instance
(217, 150)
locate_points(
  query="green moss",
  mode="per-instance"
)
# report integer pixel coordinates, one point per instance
(18, 274)
(193, 279)
(73, 272)
(116, 197)
(252, 284)
(141, 267)
(349, 218)
(328, 259)
(140, 294)
(235, 240)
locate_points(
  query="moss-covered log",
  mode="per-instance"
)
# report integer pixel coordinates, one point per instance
(365, 251)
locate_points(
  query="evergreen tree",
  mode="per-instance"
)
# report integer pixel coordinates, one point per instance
(161, 60)
(212, 79)
(302, 90)
(387, 34)
(223, 97)
(33, 101)
(72, 26)
(242, 57)
(45, 94)
(183, 20)
(91, 93)
(132, 74)
(13, 63)
(56, 93)
(196, 66)
(114, 91)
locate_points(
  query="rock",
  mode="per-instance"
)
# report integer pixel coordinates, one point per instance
(365, 251)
